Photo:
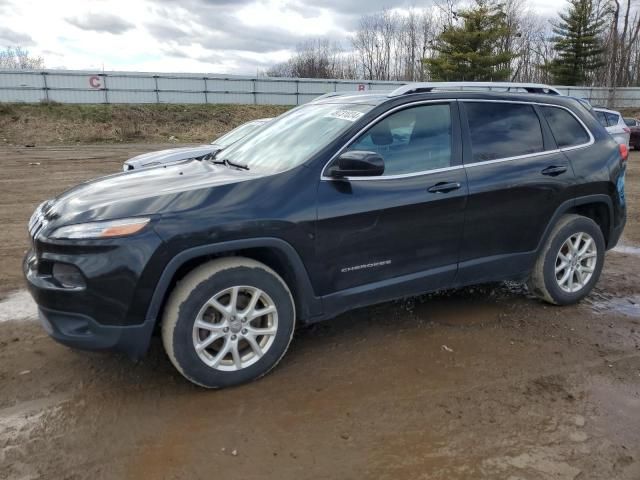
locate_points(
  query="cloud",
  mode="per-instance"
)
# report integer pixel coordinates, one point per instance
(101, 22)
(226, 32)
(217, 36)
(10, 37)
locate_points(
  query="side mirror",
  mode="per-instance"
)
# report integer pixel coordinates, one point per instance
(357, 163)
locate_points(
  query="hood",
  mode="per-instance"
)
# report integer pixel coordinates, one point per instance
(170, 155)
(169, 188)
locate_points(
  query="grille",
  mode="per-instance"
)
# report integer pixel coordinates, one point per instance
(37, 222)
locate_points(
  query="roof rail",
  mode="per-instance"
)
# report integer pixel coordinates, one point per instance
(422, 87)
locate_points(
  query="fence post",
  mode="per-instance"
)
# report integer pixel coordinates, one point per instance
(297, 91)
(106, 90)
(155, 83)
(45, 86)
(206, 97)
(255, 94)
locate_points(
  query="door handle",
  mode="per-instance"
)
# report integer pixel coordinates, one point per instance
(444, 187)
(554, 170)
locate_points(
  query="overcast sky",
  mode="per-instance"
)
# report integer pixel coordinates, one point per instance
(215, 36)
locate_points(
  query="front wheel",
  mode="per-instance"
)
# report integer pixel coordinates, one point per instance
(227, 322)
(570, 263)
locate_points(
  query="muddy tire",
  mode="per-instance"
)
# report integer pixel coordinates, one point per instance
(228, 322)
(570, 262)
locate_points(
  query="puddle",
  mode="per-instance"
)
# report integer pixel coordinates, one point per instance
(629, 306)
(628, 249)
(18, 306)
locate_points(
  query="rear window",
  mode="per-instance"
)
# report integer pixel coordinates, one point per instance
(612, 118)
(503, 130)
(631, 122)
(566, 129)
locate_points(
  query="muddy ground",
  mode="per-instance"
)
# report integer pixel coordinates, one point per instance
(481, 383)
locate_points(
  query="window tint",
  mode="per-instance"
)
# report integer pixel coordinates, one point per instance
(411, 140)
(565, 128)
(601, 118)
(612, 118)
(502, 130)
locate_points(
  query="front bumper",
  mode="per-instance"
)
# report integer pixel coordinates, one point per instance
(108, 311)
(79, 331)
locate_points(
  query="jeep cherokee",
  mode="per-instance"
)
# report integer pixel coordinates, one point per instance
(346, 201)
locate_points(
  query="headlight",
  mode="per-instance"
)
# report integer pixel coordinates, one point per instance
(112, 228)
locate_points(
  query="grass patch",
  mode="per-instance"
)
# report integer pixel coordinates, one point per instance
(56, 123)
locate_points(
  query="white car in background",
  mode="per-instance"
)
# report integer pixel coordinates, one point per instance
(172, 155)
(614, 124)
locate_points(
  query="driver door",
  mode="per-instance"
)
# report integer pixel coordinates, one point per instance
(400, 231)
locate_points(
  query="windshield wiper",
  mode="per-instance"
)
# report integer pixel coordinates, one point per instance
(227, 163)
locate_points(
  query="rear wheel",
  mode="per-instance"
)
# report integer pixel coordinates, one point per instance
(570, 263)
(228, 322)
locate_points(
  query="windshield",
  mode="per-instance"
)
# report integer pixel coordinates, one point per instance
(291, 139)
(237, 133)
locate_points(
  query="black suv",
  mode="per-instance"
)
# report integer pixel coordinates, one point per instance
(346, 201)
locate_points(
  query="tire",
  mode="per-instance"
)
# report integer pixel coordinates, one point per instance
(206, 295)
(548, 285)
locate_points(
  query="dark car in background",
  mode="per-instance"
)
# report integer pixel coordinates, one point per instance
(634, 132)
(347, 201)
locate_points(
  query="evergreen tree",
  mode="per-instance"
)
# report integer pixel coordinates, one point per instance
(577, 43)
(470, 50)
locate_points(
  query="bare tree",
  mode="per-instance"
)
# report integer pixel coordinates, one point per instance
(18, 58)
(622, 45)
(391, 46)
(318, 58)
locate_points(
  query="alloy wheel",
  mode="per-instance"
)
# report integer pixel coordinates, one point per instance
(235, 328)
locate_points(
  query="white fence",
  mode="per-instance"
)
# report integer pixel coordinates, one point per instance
(75, 86)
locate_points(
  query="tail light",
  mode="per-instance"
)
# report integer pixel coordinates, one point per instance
(624, 152)
(626, 130)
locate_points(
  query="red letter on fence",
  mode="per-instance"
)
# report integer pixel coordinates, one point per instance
(94, 82)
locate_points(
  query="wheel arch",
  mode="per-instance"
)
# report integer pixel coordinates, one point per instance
(598, 208)
(275, 253)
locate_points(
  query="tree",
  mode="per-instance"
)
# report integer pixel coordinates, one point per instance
(317, 58)
(18, 58)
(577, 44)
(470, 49)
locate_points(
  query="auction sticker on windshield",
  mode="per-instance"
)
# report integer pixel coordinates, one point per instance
(349, 115)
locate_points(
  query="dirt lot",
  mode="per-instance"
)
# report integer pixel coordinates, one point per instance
(481, 383)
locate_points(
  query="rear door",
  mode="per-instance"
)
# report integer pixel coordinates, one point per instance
(517, 179)
(403, 226)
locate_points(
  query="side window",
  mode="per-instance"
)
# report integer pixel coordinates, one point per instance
(503, 130)
(601, 118)
(411, 140)
(612, 118)
(565, 128)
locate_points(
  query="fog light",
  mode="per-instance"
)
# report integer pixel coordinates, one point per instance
(67, 275)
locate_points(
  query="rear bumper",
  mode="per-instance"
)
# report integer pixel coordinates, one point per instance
(80, 331)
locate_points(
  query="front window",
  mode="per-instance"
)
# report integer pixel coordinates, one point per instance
(291, 139)
(412, 140)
